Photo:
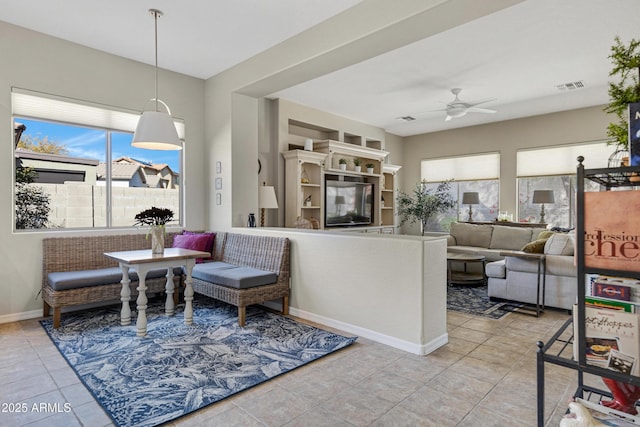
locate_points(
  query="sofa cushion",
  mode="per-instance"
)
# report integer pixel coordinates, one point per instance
(195, 241)
(62, 280)
(510, 238)
(205, 270)
(559, 244)
(471, 234)
(535, 247)
(496, 269)
(233, 276)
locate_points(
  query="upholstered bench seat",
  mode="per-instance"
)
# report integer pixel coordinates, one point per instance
(63, 280)
(233, 276)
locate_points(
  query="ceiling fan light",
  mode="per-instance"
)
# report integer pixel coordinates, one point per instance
(156, 131)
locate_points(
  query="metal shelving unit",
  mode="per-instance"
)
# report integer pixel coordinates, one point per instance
(559, 349)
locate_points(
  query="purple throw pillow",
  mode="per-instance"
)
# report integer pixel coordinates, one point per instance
(195, 241)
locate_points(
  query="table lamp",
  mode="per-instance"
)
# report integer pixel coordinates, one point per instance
(470, 198)
(266, 200)
(542, 197)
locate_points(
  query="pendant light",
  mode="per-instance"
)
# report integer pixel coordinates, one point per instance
(156, 130)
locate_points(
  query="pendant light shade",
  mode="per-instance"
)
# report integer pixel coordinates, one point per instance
(156, 130)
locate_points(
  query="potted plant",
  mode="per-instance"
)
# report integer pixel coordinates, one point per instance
(358, 164)
(424, 204)
(370, 167)
(156, 219)
(343, 164)
(626, 66)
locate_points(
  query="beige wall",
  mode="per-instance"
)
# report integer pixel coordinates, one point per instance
(567, 127)
(37, 62)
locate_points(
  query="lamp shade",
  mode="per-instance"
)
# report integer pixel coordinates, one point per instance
(470, 198)
(543, 196)
(267, 197)
(156, 131)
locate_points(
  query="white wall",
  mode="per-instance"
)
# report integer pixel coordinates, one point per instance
(37, 62)
(391, 289)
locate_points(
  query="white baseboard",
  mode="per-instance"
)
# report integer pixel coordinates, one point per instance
(410, 347)
(16, 317)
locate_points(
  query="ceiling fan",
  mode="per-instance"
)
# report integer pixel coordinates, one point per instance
(458, 108)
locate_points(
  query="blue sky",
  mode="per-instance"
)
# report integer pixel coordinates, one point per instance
(91, 143)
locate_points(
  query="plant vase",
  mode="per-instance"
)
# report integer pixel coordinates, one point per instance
(157, 239)
(370, 170)
(358, 168)
(343, 166)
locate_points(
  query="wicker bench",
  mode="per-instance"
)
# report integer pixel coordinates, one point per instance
(246, 269)
(93, 278)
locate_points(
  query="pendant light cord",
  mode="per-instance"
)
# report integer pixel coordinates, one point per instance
(156, 14)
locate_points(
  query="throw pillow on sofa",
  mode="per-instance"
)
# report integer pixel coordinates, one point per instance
(559, 244)
(535, 247)
(195, 241)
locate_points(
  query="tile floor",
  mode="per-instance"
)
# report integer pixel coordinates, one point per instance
(484, 377)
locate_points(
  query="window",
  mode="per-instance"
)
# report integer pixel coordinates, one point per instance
(75, 167)
(475, 173)
(554, 169)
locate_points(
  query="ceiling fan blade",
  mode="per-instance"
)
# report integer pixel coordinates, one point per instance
(480, 110)
(479, 101)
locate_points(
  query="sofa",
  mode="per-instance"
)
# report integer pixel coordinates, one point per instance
(515, 278)
(242, 269)
(246, 269)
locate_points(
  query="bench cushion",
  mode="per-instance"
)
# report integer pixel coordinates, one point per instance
(62, 280)
(225, 274)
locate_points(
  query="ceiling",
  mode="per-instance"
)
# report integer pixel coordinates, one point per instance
(520, 55)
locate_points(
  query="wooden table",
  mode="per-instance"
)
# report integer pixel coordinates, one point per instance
(142, 261)
(465, 277)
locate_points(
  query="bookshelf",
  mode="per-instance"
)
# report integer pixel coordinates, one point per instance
(568, 346)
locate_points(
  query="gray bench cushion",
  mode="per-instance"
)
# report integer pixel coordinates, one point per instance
(62, 280)
(224, 274)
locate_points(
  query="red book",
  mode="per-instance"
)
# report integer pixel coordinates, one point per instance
(613, 291)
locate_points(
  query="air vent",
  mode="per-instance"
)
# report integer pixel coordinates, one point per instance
(570, 86)
(407, 118)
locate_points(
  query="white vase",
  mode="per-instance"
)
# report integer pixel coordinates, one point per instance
(343, 166)
(157, 239)
(358, 168)
(369, 170)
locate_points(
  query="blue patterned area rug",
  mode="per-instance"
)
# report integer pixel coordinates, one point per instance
(475, 300)
(178, 369)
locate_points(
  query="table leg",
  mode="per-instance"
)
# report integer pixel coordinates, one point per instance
(188, 294)
(142, 302)
(125, 297)
(169, 306)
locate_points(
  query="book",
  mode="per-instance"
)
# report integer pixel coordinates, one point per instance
(609, 332)
(612, 235)
(634, 134)
(611, 290)
(609, 416)
(612, 304)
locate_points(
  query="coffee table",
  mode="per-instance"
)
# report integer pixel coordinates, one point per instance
(465, 277)
(142, 261)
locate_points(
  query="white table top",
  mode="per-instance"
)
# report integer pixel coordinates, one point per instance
(145, 256)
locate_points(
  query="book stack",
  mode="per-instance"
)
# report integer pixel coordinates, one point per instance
(612, 323)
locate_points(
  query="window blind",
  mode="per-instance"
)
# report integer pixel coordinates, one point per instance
(461, 168)
(50, 107)
(561, 160)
